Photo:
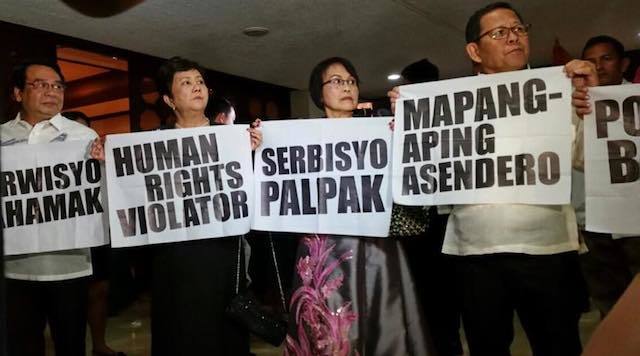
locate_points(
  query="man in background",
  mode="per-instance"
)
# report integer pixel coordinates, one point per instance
(612, 260)
(433, 271)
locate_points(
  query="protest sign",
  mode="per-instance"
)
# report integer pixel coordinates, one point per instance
(178, 185)
(327, 176)
(499, 138)
(612, 163)
(51, 198)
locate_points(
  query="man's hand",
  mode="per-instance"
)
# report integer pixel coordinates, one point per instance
(583, 75)
(97, 149)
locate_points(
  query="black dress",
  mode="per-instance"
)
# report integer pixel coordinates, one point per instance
(193, 282)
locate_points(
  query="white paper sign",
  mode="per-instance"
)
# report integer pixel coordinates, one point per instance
(499, 138)
(327, 176)
(612, 160)
(178, 185)
(51, 198)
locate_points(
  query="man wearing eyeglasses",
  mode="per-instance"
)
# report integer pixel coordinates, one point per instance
(44, 287)
(516, 257)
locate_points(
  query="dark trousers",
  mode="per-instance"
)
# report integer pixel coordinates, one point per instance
(609, 267)
(31, 304)
(434, 277)
(547, 292)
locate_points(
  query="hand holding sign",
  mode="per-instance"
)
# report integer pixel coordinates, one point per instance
(97, 149)
(255, 134)
(583, 74)
(394, 95)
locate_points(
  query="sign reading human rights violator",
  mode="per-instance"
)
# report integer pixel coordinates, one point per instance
(612, 160)
(51, 198)
(328, 176)
(178, 185)
(499, 138)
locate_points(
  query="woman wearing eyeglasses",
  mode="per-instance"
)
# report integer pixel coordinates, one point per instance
(373, 310)
(194, 281)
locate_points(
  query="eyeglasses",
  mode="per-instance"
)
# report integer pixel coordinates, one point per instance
(501, 32)
(42, 85)
(339, 82)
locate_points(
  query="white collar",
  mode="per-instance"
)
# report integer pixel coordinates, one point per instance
(56, 121)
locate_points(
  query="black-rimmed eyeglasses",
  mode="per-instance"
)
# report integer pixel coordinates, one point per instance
(339, 82)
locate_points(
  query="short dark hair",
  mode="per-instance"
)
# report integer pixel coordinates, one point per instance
(618, 47)
(472, 31)
(19, 71)
(315, 80)
(421, 71)
(169, 68)
(220, 105)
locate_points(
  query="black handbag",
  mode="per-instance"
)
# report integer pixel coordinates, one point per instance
(408, 221)
(247, 311)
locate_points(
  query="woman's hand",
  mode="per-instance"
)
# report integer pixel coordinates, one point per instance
(255, 134)
(393, 95)
(97, 149)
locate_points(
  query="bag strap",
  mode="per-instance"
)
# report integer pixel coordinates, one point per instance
(238, 264)
(275, 264)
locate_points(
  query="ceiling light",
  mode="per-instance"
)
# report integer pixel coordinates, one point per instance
(393, 76)
(255, 31)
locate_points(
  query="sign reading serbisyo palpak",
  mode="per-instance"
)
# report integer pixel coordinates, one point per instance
(178, 185)
(51, 198)
(328, 176)
(612, 159)
(499, 138)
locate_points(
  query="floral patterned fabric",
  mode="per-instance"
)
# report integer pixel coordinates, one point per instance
(354, 296)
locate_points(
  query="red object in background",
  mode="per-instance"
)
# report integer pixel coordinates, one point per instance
(636, 79)
(560, 55)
